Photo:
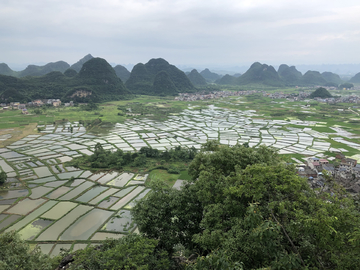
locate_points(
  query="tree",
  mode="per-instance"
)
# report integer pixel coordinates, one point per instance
(346, 86)
(169, 215)
(321, 93)
(16, 254)
(3, 177)
(130, 252)
(248, 204)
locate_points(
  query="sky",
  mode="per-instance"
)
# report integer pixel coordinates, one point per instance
(184, 32)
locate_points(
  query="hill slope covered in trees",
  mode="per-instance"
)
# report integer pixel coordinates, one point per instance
(96, 81)
(143, 77)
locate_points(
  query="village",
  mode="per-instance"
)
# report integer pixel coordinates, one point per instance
(35, 103)
(343, 170)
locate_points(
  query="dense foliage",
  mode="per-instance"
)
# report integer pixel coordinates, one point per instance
(321, 93)
(3, 177)
(130, 252)
(346, 86)
(246, 208)
(117, 160)
(16, 254)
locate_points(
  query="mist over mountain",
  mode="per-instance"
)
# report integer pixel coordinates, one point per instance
(332, 77)
(355, 79)
(210, 76)
(340, 69)
(227, 80)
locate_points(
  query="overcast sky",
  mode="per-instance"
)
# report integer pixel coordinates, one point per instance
(184, 32)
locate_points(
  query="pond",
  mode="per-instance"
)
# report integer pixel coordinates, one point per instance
(85, 226)
(10, 194)
(108, 202)
(59, 210)
(30, 217)
(52, 233)
(76, 191)
(34, 228)
(125, 200)
(103, 195)
(121, 222)
(25, 206)
(90, 194)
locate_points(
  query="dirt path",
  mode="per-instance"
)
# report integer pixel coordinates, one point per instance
(353, 111)
(17, 133)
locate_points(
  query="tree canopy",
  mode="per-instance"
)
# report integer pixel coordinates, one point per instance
(321, 93)
(247, 208)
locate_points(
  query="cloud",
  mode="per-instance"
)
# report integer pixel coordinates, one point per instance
(203, 32)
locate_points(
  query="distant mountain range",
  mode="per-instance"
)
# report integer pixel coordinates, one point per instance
(95, 79)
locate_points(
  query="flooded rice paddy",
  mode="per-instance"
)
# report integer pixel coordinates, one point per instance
(55, 206)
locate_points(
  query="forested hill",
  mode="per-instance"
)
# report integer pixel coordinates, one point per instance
(158, 77)
(78, 65)
(260, 74)
(34, 70)
(96, 81)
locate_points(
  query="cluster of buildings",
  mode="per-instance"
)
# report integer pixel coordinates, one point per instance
(344, 170)
(34, 103)
(345, 99)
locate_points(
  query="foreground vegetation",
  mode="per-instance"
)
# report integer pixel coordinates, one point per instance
(243, 209)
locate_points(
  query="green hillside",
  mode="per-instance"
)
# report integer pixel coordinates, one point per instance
(313, 78)
(227, 80)
(33, 70)
(196, 78)
(78, 65)
(122, 73)
(96, 81)
(163, 85)
(332, 78)
(321, 93)
(260, 74)
(6, 70)
(70, 72)
(142, 78)
(355, 79)
(290, 75)
(210, 76)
